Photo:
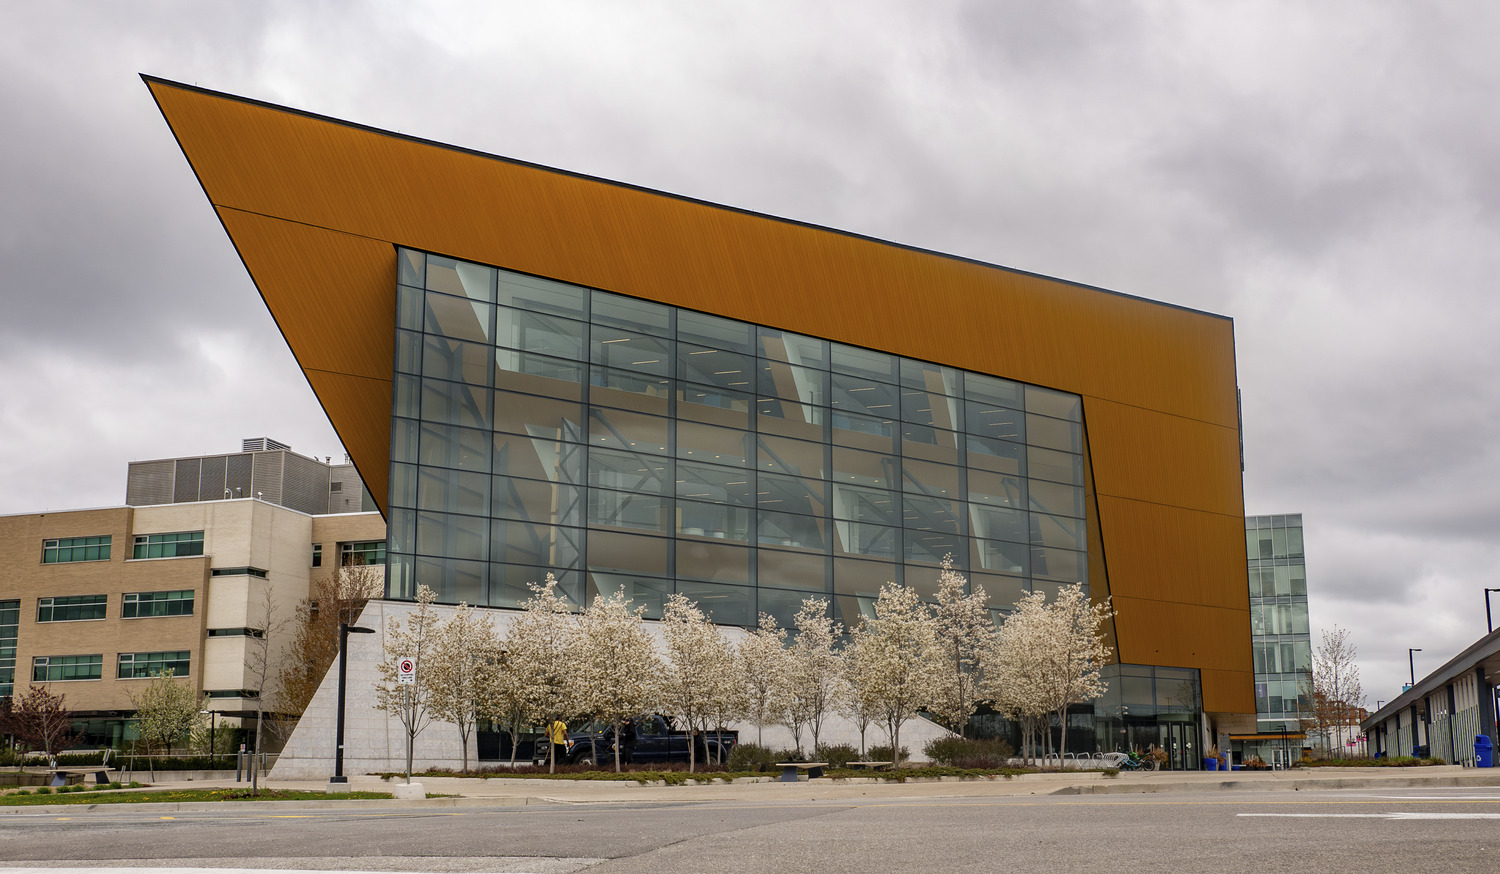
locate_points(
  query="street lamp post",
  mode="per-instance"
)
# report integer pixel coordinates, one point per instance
(1412, 664)
(212, 748)
(1488, 620)
(345, 629)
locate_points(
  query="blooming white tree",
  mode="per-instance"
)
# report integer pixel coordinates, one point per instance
(1048, 658)
(814, 683)
(858, 705)
(615, 663)
(462, 671)
(415, 639)
(1016, 664)
(895, 659)
(697, 658)
(1334, 695)
(1077, 652)
(964, 633)
(539, 653)
(761, 662)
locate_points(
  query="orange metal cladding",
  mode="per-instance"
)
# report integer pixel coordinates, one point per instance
(316, 206)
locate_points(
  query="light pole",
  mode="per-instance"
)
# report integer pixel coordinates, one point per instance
(1487, 619)
(212, 748)
(1412, 664)
(345, 629)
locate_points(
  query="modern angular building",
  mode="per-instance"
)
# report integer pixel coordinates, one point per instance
(542, 371)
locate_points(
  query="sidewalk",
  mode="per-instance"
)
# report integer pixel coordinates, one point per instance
(518, 791)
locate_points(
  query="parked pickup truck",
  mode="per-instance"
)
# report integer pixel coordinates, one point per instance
(655, 740)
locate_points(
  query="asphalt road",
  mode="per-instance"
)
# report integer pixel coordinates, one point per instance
(1335, 831)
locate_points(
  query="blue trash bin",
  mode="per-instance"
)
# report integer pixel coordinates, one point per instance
(1484, 752)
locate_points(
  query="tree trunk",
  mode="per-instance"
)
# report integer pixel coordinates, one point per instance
(692, 748)
(619, 733)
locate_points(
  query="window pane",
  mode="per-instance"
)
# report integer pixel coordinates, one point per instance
(1056, 498)
(510, 584)
(862, 538)
(1062, 565)
(853, 467)
(707, 482)
(997, 489)
(630, 471)
(460, 278)
(628, 312)
(933, 514)
(716, 406)
(458, 317)
(540, 333)
(933, 546)
(862, 362)
(1057, 531)
(629, 432)
(1054, 433)
(629, 510)
(786, 529)
(542, 545)
(863, 504)
(719, 521)
(1001, 557)
(454, 491)
(452, 447)
(455, 360)
(793, 348)
(534, 294)
(1000, 456)
(539, 375)
(632, 391)
(540, 458)
(453, 580)
(797, 457)
(726, 605)
(701, 560)
(720, 333)
(706, 443)
(789, 494)
(454, 536)
(538, 416)
(631, 553)
(526, 500)
(647, 592)
(1055, 466)
(454, 403)
(716, 367)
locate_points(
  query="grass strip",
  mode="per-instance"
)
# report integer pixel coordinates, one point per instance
(106, 796)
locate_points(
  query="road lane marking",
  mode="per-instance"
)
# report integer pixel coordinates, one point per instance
(1395, 814)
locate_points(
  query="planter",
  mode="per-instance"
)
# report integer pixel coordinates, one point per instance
(1210, 764)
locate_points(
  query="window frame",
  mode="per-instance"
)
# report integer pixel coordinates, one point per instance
(50, 604)
(133, 600)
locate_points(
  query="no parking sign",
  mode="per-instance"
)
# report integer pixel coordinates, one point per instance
(406, 670)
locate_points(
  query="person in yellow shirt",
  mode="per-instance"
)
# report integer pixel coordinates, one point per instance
(557, 733)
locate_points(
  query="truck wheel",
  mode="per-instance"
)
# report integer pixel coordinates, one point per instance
(585, 759)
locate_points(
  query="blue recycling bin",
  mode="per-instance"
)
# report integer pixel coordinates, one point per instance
(1484, 752)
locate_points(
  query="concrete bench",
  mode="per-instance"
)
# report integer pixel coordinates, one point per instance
(871, 766)
(789, 770)
(60, 775)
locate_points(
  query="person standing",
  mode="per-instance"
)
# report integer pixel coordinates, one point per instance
(557, 734)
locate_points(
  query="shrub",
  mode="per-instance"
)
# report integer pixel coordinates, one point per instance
(750, 757)
(960, 752)
(44, 790)
(115, 784)
(77, 760)
(883, 754)
(836, 755)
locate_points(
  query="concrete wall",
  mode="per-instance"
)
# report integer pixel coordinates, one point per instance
(376, 742)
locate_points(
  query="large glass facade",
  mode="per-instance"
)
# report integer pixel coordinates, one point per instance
(1280, 642)
(540, 426)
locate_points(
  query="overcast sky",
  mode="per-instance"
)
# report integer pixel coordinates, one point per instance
(1325, 174)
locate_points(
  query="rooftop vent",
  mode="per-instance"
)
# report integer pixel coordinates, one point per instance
(262, 444)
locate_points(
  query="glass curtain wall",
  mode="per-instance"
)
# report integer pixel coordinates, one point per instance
(1280, 642)
(543, 427)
